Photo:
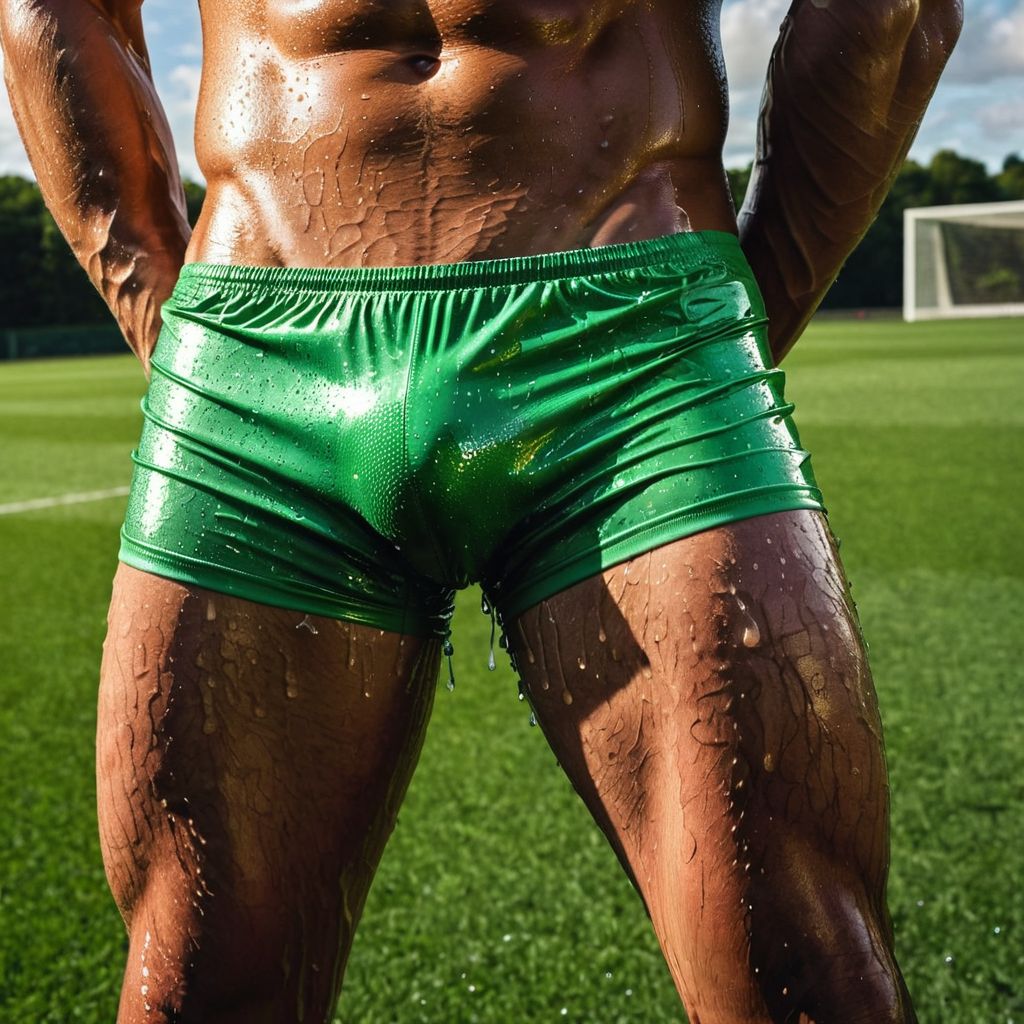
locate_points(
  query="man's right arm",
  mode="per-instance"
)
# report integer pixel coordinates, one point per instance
(848, 85)
(82, 92)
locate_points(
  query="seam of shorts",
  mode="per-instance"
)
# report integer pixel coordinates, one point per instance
(172, 565)
(618, 549)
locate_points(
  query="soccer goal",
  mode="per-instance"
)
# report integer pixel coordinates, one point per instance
(963, 261)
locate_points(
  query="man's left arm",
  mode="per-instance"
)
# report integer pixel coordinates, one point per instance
(848, 85)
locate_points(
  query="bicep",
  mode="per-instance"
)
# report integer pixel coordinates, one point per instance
(34, 25)
(125, 17)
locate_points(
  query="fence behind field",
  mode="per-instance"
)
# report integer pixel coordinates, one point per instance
(37, 342)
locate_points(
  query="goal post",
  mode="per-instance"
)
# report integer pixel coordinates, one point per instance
(963, 261)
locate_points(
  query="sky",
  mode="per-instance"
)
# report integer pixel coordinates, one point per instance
(978, 108)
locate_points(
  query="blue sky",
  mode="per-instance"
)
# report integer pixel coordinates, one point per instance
(978, 108)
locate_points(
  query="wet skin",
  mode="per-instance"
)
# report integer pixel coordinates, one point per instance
(710, 700)
(399, 133)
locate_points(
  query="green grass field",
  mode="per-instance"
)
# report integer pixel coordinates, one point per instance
(498, 901)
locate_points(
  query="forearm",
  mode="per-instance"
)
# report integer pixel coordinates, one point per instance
(847, 87)
(82, 93)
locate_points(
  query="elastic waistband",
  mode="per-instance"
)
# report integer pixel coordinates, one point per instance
(689, 247)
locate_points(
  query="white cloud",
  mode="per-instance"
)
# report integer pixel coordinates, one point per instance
(179, 91)
(991, 45)
(185, 79)
(13, 159)
(749, 31)
(1003, 117)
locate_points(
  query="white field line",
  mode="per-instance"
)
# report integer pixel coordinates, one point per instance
(14, 507)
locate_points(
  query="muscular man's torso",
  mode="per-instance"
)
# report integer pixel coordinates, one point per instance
(382, 132)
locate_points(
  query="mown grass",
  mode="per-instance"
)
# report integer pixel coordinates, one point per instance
(497, 900)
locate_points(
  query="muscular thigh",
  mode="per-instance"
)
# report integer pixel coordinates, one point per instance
(250, 763)
(744, 638)
(712, 704)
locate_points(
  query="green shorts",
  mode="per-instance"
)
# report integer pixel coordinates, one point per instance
(359, 443)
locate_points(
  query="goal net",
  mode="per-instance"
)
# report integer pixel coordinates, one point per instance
(963, 261)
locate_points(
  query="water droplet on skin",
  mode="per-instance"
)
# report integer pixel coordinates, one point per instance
(533, 718)
(566, 697)
(211, 611)
(769, 762)
(582, 664)
(449, 650)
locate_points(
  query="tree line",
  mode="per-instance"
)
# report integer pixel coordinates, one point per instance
(41, 284)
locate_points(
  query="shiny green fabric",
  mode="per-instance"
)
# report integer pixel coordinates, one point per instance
(360, 442)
